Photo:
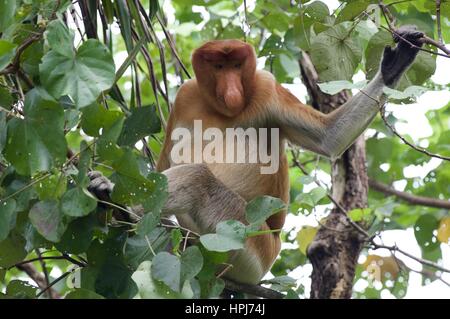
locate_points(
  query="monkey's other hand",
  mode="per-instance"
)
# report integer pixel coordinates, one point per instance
(100, 186)
(396, 61)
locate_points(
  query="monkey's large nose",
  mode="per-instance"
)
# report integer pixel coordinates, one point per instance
(233, 98)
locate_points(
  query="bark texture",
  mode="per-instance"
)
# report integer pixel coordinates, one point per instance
(335, 249)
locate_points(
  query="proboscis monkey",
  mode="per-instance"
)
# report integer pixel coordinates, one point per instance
(229, 92)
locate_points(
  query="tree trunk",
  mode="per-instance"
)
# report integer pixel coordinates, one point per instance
(335, 249)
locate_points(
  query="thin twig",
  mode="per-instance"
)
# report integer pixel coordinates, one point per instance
(44, 270)
(47, 258)
(404, 140)
(54, 282)
(172, 46)
(332, 199)
(420, 260)
(410, 198)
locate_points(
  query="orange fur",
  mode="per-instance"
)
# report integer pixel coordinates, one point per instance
(255, 95)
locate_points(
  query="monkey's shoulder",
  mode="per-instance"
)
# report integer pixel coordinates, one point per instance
(188, 99)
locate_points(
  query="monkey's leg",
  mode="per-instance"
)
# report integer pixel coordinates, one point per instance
(200, 201)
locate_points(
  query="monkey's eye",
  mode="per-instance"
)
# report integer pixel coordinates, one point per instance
(237, 65)
(218, 66)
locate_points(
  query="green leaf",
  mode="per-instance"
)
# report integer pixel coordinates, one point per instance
(142, 122)
(140, 248)
(7, 52)
(78, 202)
(191, 263)
(7, 11)
(313, 197)
(335, 54)
(176, 239)
(421, 70)
(60, 38)
(167, 268)
(106, 144)
(230, 235)
(21, 290)
(96, 118)
(81, 293)
(8, 216)
(334, 87)
(351, 10)
(154, 289)
(304, 237)
(359, 214)
(46, 217)
(52, 187)
(123, 15)
(30, 147)
(78, 236)
(317, 10)
(132, 189)
(317, 194)
(410, 92)
(82, 77)
(261, 208)
(148, 223)
(114, 280)
(424, 231)
(154, 8)
(174, 271)
(6, 101)
(84, 163)
(12, 251)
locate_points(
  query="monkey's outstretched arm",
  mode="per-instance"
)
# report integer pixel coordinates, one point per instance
(331, 134)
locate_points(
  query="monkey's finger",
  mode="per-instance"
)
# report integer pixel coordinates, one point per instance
(388, 53)
(99, 184)
(94, 174)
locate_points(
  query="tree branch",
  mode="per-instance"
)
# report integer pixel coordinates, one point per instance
(39, 279)
(410, 198)
(438, 20)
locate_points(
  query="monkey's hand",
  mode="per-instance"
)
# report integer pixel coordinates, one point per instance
(100, 186)
(396, 61)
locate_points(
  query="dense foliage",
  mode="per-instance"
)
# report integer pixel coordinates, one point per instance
(88, 86)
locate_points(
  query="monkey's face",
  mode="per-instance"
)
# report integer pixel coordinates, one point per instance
(225, 69)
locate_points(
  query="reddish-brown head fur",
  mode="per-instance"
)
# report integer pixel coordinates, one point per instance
(225, 71)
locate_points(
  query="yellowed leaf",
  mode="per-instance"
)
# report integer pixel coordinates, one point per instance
(381, 268)
(305, 236)
(443, 233)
